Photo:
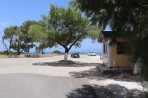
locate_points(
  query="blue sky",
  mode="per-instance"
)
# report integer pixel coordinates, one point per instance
(15, 12)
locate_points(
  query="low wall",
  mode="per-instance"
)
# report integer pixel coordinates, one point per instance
(27, 56)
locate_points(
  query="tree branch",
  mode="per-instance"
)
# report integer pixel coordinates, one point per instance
(75, 41)
(70, 37)
(5, 44)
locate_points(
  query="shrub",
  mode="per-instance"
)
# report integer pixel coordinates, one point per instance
(57, 52)
(10, 53)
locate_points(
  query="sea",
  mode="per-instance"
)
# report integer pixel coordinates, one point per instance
(83, 52)
(87, 46)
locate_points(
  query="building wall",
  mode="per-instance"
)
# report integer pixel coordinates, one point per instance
(106, 53)
(120, 60)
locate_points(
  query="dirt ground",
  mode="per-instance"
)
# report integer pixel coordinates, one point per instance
(106, 86)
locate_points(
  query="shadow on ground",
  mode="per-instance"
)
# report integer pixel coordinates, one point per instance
(85, 92)
(62, 64)
(95, 74)
(112, 90)
(117, 91)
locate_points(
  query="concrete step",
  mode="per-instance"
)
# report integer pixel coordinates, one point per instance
(105, 70)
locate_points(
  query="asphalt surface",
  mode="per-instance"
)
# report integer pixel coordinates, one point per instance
(20, 79)
(41, 86)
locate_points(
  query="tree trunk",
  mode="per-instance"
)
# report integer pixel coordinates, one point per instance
(66, 54)
(137, 68)
(7, 52)
(7, 49)
(18, 51)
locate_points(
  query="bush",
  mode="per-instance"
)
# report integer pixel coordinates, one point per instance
(10, 53)
(79, 52)
(57, 52)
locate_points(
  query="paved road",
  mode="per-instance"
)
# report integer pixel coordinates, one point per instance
(41, 86)
(20, 79)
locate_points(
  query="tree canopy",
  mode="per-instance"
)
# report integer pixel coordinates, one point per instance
(17, 37)
(122, 15)
(62, 26)
(25, 31)
(8, 37)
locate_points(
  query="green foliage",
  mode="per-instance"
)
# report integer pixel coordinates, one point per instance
(25, 31)
(40, 36)
(10, 53)
(15, 37)
(122, 15)
(93, 32)
(140, 52)
(57, 52)
(146, 95)
(18, 37)
(8, 36)
(62, 26)
(99, 11)
(79, 52)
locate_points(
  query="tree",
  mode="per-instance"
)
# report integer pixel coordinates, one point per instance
(63, 26)
(7, 38)
(41, 48)
(39, 36)
(25, 31)
(122, 15)
(15, 38)
(6, 46)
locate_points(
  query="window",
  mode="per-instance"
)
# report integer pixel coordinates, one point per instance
(123, 47)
